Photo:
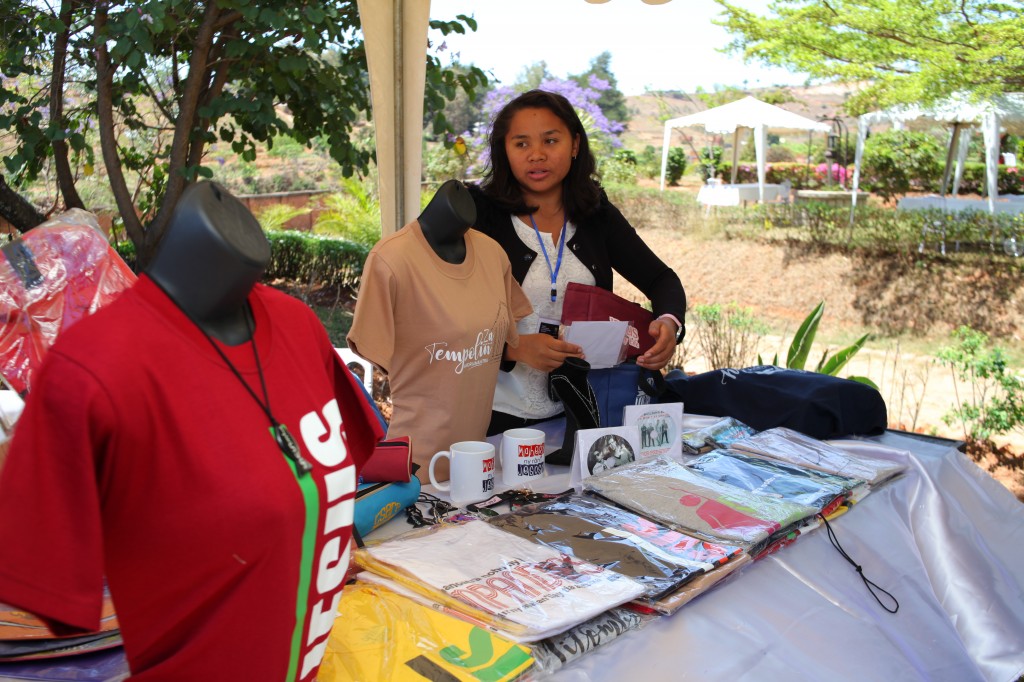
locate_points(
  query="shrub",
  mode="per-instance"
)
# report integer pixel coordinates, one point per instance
(898, 161)
(276, 216)
(315, 258)
(353, 214)
(996, 402)
(728, 336)
(676, 165)
(619, 169)
(710, 162)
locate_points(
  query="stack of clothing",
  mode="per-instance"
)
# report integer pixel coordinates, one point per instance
(661, 559)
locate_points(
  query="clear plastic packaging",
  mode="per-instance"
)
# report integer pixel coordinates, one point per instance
(791, 446)
(776, 479)
(668, 492)
(717, 435)
(51, 277)
(658, 557)
(524, 590)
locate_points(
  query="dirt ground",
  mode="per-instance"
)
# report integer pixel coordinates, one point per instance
(781, 285)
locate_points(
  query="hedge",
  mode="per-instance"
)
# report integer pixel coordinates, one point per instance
(300, 256)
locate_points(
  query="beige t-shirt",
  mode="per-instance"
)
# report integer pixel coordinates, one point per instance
(438, 330)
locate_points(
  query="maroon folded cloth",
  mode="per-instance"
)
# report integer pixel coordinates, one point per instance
(585, 303)
(391, 461)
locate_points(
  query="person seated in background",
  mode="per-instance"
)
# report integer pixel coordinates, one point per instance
(541, 202)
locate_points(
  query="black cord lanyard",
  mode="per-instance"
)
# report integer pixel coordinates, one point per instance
(870, 585)
(285, 441)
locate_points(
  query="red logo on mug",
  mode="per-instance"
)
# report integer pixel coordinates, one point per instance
(530, 451)
(488, 465)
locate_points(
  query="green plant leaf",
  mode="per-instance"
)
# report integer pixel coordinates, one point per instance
(839, 360)
(863, 380)
(804, 337)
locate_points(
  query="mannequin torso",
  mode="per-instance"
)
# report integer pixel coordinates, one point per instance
(446, 219)
(213, 253)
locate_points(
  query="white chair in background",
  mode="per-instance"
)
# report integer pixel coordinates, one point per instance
(350, 358)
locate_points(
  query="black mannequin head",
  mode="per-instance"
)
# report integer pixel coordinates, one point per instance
(446, 219)
(212, 254)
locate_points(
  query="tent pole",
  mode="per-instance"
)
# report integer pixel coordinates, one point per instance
(735, 155)
(954, 137)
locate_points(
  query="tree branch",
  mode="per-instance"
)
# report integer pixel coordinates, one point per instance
(108, 140)
(187, 107)
(65, 178)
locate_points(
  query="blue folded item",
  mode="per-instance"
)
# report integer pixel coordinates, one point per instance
(378, 503)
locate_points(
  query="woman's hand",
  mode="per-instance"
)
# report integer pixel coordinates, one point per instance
(542, 351)
(657, 356)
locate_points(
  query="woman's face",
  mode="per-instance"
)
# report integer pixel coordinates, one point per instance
(540, 150)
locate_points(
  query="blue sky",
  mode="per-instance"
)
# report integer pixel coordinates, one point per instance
(663, 47)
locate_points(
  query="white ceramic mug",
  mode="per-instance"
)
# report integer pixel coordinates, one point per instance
(522, 456)
(471, 464)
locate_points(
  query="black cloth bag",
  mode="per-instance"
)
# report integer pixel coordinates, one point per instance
(763, 397)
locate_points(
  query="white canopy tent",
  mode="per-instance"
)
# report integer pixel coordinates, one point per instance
(746, 113)
(1001, 112)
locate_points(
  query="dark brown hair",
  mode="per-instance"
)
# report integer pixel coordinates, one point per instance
(580, 191)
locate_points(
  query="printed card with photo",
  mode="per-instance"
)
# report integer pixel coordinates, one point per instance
(602, 449)
(659, 427)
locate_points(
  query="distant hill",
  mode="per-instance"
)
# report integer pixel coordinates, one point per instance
(649, 111)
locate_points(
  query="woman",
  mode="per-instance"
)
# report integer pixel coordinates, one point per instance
(540, 201)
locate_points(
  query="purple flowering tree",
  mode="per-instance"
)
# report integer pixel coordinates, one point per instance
(602, 132)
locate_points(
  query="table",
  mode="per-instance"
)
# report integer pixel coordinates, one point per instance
(1011, 204)
(946, 539)
(735, 195)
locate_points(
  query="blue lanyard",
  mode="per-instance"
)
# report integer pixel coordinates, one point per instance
(561, 247)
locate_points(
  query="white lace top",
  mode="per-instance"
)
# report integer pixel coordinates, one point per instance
(524, 391)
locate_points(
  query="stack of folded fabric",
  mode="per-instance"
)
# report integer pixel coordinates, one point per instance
(666, 491)
(661, 559)
(825, 492)
(791, 446)
(25, 638)
(522, 590)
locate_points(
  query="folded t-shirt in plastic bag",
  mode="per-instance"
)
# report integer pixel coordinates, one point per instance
(527, 590)
(656, 556)
(776, 479)
(669, 492)
(796, 448)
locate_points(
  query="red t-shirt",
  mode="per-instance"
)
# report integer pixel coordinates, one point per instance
(141, 457)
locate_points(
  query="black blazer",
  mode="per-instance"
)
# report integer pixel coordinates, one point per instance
(604, 242)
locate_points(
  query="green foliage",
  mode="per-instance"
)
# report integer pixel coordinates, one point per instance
(649, 162)
(276, 216)
(353, 214)
(710, 162)
(620, 168)
(727, 335)
(611, 102)
(315, 258)
(163, 80)
(675, 167)
(800, 349)
(904, 52)
(897, 161)
(996, 402)
(719, 95)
